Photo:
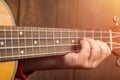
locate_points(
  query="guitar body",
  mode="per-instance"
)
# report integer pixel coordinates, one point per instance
(7, 69)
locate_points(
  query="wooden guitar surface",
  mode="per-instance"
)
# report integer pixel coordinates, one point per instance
(7, 69)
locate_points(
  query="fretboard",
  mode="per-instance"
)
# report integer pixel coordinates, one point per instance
(31, 42)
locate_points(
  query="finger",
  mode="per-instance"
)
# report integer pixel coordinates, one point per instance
(95, 50)
(108, 48)
(105, 52)
(85, 51)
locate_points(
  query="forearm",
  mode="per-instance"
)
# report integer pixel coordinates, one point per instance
(45, 63)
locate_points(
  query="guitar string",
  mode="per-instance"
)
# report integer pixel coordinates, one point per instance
(15, 38)
(42, 46)
(33, 54)
(37, 46)
(56, 30)
(113, 35)
(74, 31)
(50, 38)
(50, 29)
(36, 54)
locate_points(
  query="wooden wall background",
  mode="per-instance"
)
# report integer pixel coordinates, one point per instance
(83, 14)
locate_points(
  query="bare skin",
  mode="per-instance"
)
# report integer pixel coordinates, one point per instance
(93, 52)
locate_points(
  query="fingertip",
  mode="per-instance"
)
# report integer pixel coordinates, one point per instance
(90, 39)
(108, 48)
(86, 38)
(83, 40)
(98, 40)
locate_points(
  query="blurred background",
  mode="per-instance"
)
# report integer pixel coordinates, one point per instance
(83, 14)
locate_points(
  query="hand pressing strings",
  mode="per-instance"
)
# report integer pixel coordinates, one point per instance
(92, 53)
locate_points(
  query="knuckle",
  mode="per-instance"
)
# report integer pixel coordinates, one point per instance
(109, 52)
(87, 50)
(97, 50)
(106, 51)
(98, 41)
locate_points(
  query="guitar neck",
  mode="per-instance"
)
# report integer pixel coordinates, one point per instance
(31, 42)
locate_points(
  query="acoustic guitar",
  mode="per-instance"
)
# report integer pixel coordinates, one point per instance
(18, 42)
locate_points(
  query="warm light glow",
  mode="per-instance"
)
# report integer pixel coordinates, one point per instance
(117, 6)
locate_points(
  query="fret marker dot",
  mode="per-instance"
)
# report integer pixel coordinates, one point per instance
(21, 33)
(2, 43)
(73, 41)
(22, 52)
(35, 42)
(57, 41)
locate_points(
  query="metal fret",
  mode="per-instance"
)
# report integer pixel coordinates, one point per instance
(46, 41)
(43, 41)
(29, 42)
(11, 42)
(21, 42)
(77, 47)
(57, 41)
(110, 39)
(5, 43)
(25, 52)
(50, 41)
(93, 34)
(101, 36)
(36, 41)
(73, 34)
(69, 39)
(39, 41)
(74, 40)
(61, 39)
(54, 40)
(15, 42)
(85, 35)
(32, 40)
(65, 41)
(8, 42)
(106, 35)
(18, 34)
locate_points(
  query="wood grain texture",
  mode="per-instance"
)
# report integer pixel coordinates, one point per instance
(14, 6)
(83, 14)
(39, 13)
(6, 19)
(98, 15)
